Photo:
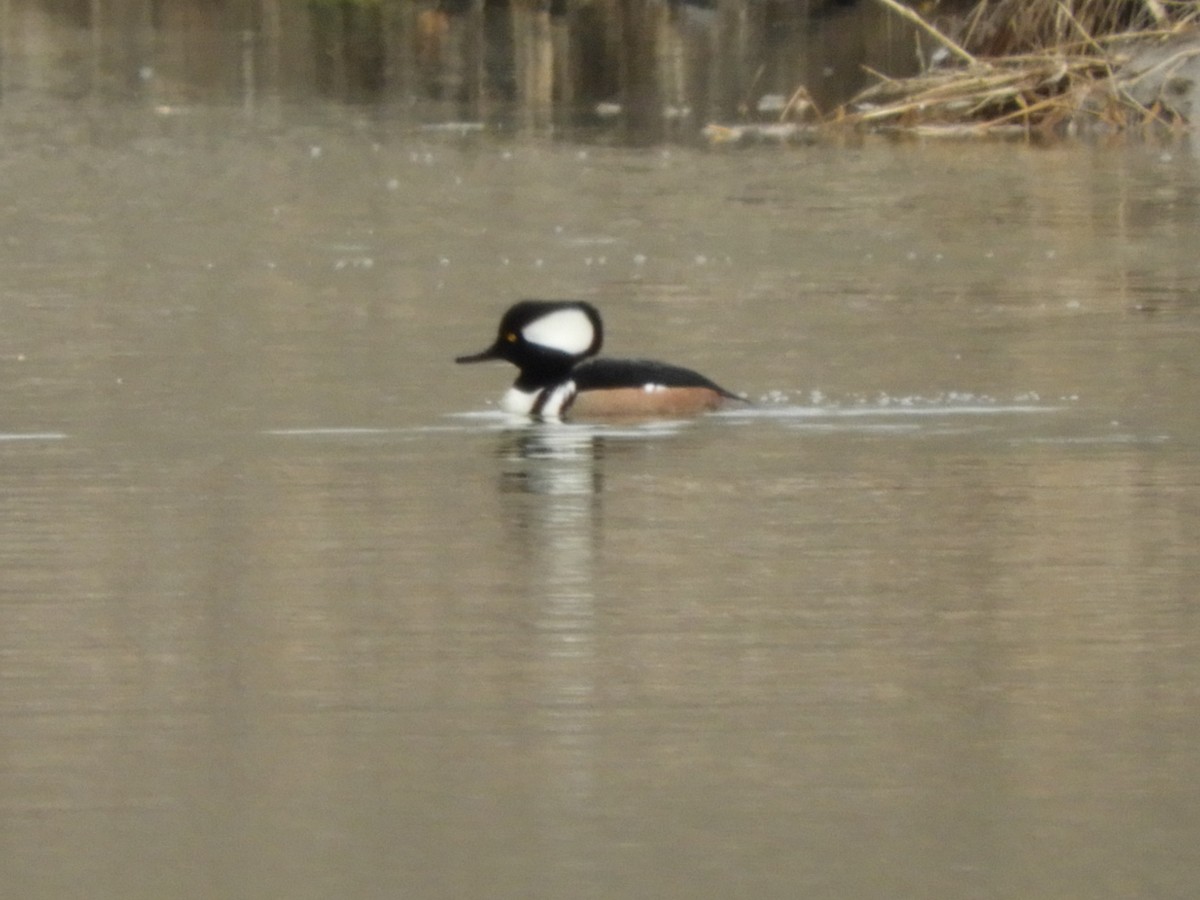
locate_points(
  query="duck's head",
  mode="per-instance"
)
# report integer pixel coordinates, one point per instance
(545, 335)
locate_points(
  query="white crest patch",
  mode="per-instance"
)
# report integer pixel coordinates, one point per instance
(568, 330)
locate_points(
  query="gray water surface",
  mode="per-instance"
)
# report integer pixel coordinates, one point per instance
(288, 609)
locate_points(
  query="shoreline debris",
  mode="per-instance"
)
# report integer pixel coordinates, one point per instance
(1097, 67)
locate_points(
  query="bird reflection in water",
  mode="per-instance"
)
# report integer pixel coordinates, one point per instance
(553, 459)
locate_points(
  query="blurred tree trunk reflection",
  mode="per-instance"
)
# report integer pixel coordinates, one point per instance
(652, 65)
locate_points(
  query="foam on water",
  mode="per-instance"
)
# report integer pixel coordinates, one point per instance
(949, 413)
(352, 432)
(34, 436)
(490, 421)
(779, 405)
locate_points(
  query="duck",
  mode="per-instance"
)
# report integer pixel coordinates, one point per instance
(555, 345)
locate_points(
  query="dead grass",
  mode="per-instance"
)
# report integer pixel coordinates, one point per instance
(1024, 66)
(996, 28)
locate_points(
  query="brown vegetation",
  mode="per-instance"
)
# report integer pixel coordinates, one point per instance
(1042, 65)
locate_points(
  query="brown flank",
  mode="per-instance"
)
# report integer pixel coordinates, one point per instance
(637, 402)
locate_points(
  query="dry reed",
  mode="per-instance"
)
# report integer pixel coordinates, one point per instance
(1025, 65)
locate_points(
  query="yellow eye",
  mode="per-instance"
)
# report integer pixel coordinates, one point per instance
(511, 337)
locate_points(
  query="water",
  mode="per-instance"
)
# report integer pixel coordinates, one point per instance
(288, 609)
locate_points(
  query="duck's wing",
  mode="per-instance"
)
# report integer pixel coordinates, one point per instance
(599, 374)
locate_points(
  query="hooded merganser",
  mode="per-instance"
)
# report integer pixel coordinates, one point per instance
(551, 342)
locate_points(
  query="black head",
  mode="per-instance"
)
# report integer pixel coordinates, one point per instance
(545, 334)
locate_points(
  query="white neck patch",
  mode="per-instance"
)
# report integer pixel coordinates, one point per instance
(522, 403)
(559, 397)
(568, 330)
(519, 402)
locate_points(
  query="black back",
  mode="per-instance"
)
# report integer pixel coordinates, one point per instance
(596, 374)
